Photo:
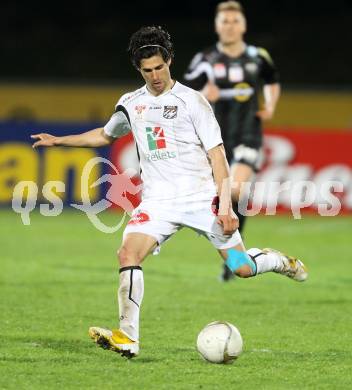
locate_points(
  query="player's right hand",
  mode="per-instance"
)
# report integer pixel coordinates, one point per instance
(211, 92)
(228, 222)
(44, 140)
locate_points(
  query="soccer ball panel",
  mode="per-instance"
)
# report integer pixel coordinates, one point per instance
(219, 342)
(235, 343)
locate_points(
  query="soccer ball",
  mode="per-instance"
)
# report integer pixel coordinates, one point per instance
(219, 342)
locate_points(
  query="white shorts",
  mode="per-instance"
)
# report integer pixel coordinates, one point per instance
(156, 220)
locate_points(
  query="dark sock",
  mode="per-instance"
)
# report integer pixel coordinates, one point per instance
(241, 218)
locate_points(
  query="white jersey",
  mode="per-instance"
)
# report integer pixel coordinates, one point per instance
(173, 132)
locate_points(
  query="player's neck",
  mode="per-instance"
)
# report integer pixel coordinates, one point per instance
(168, 86)
(232, 49)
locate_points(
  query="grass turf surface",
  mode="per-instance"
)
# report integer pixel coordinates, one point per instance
(59, 276)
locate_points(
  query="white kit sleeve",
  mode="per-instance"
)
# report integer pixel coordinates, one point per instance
(119, 123)
(204, 121)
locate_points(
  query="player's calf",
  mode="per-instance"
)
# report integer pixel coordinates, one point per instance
(240, 263)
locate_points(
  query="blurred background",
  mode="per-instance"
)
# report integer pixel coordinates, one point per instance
(64, 65)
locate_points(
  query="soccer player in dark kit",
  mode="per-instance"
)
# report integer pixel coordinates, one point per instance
(231, 74)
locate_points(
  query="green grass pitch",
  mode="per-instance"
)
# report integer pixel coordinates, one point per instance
(59, 276)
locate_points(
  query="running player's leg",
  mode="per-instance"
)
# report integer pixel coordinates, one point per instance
(241, 173)
(245, 162)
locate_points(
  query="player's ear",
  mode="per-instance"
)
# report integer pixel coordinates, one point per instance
(169, 61)
(244, 24)
(216, 26)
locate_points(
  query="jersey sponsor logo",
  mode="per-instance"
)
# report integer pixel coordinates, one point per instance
(155, 138)
(251, 67)
(236, 73)
(170, 112)
(156, 144)
(158, 155)
(139, 111)
(219, 70)
(242, 92)
(140, 217)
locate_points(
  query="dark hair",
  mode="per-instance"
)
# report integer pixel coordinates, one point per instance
(148, 42)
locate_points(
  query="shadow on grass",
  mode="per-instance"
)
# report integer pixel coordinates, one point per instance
(55, 344)
(69, 347)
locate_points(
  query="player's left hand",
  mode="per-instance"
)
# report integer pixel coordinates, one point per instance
(229, 222)
(265, 114)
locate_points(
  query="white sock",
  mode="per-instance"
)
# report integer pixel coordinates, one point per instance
(130, 296)
(266, 262)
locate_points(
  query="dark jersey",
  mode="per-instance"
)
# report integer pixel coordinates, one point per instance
(240, 80)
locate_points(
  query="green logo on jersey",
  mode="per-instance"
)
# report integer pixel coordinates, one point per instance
(155, 138)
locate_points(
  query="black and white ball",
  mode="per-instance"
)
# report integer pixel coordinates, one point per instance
(220, 342)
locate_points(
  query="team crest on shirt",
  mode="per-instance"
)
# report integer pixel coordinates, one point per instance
(170, 112)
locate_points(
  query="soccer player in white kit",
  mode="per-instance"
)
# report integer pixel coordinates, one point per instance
(185, 182)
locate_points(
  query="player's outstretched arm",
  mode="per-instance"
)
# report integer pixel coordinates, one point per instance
(91, 139)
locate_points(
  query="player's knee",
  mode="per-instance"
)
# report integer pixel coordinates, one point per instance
(244, 272)
(127, 256)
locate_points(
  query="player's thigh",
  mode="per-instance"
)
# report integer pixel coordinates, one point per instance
(135, 248)
(144, 233)
(205, 222)
(240, 173)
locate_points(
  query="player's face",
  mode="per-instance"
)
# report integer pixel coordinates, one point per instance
(156, 74)
(230, 26)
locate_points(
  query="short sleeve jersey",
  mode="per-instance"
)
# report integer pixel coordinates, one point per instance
(173, 132)
(239, 80)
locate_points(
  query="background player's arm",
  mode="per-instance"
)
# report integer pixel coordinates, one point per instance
(271, 90)
(271, 97)
(221, 172)
(211, 92)
(93, 138)
(200, 77)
